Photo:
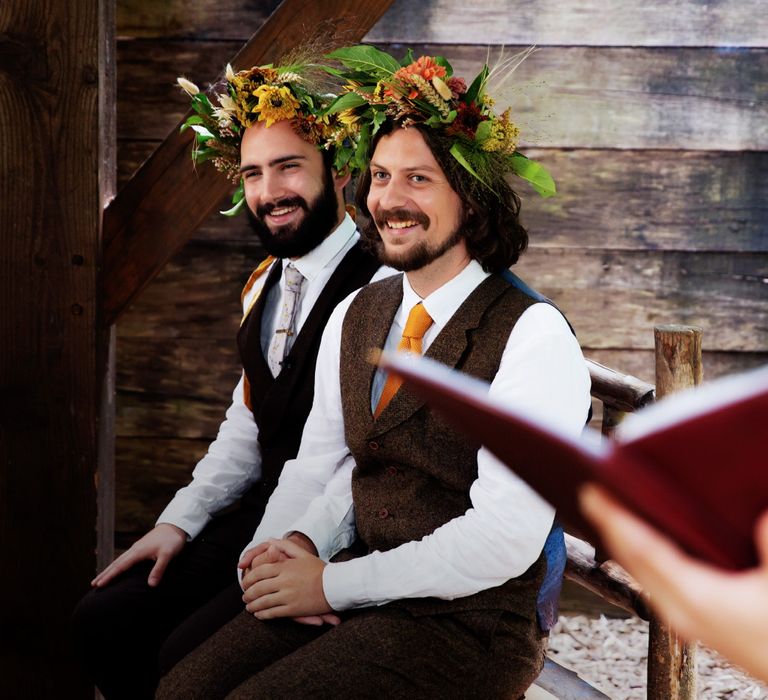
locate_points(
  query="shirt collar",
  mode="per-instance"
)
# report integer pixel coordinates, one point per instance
(311, 264)
(444, 301)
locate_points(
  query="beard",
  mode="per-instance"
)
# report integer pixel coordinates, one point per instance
(415, 257)
(297, 239)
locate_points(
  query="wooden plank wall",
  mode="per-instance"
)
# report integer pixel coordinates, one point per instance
(652, 117)
(57, 169)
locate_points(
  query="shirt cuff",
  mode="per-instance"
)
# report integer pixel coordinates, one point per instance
(185, 514)
(345, 585)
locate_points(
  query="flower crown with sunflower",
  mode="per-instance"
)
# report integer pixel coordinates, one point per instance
(262, 94)
(425, 91)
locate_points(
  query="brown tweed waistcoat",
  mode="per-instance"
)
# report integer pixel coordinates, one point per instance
(413, 471)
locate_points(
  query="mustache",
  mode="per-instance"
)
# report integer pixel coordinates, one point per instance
(263, 209)
(382, 216)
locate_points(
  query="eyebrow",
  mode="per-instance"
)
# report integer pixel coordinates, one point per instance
(408, 170)
(273, 163)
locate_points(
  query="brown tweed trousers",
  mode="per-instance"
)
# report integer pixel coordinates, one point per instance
(413, 474)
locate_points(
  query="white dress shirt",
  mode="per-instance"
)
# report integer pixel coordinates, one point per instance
(233, 462)
(503, 533)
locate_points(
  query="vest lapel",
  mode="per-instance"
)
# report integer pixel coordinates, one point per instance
(449, 348)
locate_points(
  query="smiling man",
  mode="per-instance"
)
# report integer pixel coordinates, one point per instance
(266, 130)
(460, 565)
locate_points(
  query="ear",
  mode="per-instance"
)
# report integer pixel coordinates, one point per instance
(341, 180)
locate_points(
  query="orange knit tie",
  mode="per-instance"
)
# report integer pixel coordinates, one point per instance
(415, 327)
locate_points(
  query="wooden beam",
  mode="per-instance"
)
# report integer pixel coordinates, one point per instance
(160, 207)
(57, 155)
(671, 660)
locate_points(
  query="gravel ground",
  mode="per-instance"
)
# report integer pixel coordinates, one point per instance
(611, 654)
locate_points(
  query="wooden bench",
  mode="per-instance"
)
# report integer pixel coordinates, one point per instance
(671, 663)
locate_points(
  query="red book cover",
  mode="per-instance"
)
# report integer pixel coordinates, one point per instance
(694, 465)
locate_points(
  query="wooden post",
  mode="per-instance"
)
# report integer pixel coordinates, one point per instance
(672, 662)
(56, 172)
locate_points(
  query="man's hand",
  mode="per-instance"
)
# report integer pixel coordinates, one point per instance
(268, 553)
(287, 581)
(724, 609)
(161, 544)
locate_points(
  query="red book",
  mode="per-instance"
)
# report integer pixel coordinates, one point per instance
(695, 465)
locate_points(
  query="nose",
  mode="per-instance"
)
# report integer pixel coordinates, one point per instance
(272, 188)
(391, 194)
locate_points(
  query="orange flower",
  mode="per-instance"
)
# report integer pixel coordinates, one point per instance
(426, 67)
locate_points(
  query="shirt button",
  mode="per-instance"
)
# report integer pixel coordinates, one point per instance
(383, 513)
(391, 471)
(373, 445)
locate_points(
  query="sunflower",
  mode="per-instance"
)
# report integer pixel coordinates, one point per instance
(275, 103)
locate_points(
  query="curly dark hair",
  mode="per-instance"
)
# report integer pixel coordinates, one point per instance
(490, 222)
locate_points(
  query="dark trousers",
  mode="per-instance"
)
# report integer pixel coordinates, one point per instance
(378, 652)
(120, 630)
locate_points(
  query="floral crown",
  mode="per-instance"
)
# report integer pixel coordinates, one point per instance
(261, 94)
(425, 91)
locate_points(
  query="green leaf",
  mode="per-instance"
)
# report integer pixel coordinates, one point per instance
(379, 116)
(348, 100)
(483, 131)
(460, 155)
(441, 61)
(360, 160)
(234, 211)
(477, 85)
(407, 59)
(201, 104)
(533, 172)
(239, 194)
(366, 58)
(203, 131)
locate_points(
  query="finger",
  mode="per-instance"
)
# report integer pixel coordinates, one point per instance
(761, 538)
(290, 548)
(652, 559)
(260, 573)
(122, 563)
(314, 620)
(273, 613)
(249, 554)
(261, 588)
(265, 602)
(158, 569)
(330, 619)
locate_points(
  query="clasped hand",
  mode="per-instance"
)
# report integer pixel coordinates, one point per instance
(283, 579)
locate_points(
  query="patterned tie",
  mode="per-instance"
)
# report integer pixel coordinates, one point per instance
(286, 324)
(415, 327)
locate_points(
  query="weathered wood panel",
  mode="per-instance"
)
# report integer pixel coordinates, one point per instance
(149, 471)
(614, 297)
(589, 23)
(725, 293)
(193, 19)
(571, 97)
(55, 167)
(545, 22)
(198, 293)
(198, 367)
(652, 200)
(635, 199)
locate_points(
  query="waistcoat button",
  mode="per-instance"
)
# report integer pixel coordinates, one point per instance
(383, 513)
(391, 470)
(373, 445)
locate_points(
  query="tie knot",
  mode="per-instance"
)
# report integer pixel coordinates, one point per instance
(293, 278)
(418, 322)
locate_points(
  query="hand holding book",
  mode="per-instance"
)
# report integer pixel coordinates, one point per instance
(693, 465)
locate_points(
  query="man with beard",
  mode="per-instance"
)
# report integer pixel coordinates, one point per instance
(293, 191)
(460, 574)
